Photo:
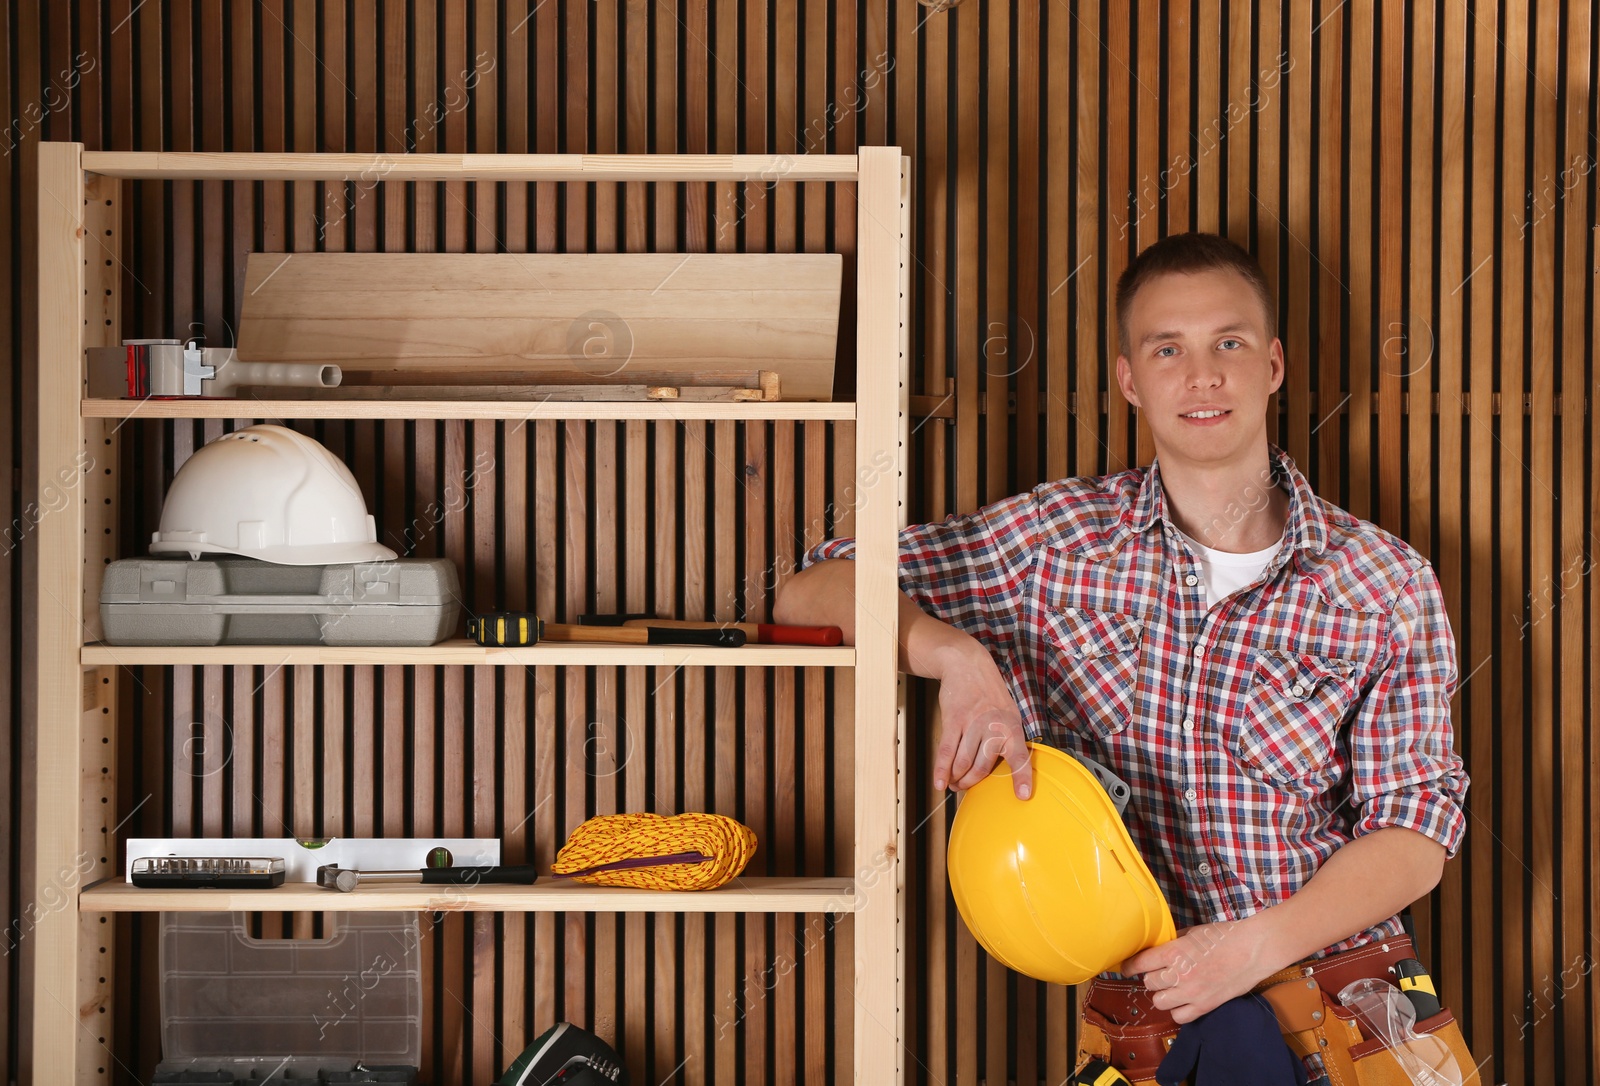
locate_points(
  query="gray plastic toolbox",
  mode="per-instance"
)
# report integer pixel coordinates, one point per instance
(242, 601)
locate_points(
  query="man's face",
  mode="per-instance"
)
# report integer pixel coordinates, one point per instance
(1198, 344)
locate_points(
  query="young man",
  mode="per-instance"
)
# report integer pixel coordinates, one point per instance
(1270, 674)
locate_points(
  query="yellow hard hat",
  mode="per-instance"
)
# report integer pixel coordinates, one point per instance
(1052, 886)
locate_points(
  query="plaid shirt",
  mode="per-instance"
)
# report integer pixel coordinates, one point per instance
(1259, 735)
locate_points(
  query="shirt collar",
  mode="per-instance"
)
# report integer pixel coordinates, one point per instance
(1307, 527)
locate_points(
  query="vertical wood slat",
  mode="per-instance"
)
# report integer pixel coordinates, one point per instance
(1577, 535)
(1518, 886)
(1452, 464)
(12, 848)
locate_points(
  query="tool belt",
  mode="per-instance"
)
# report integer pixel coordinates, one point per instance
(1120, 1025)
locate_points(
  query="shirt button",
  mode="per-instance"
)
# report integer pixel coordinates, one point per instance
(1072, 610)
(1190, 794)
(1199, 650)
(1298, 691)
(1191, 580)
(1188, 724)
(1204, 869)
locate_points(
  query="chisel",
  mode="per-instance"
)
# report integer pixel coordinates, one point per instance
(521, 628)
(759, 633)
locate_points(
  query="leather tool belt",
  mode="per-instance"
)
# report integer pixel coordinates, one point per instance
(1122, 1027)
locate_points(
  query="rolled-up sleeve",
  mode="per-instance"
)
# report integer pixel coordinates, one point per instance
(969, 571)
(1404, 771)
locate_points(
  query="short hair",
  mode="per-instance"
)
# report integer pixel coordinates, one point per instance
(1186, 254)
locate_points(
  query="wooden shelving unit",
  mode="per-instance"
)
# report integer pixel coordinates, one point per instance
(69, 954)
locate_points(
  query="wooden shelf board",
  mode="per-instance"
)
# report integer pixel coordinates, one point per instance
(367, 168)
(463, 652)
(244, 408)
(744, 895)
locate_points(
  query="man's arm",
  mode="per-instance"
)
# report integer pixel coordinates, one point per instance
(1365, 882)
(981, 722)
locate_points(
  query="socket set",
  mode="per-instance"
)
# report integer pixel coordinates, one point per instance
(215, 872)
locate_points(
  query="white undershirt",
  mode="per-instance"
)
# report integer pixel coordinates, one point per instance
(1224, 573)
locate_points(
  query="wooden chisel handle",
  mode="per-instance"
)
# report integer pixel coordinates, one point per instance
(764, 633)
(648, 633)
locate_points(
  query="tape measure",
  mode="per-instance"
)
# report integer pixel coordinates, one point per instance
(1418, 987)
(1099, 1073)
(504, 628)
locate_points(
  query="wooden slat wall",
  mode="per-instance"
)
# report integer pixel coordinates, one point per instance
(1418, 179)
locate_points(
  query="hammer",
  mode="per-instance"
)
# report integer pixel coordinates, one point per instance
(346, 879)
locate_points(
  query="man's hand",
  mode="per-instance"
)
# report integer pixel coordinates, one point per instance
(981, 724)
(1203, 968)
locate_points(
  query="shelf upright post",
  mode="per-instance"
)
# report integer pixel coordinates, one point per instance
(880, 422)
(67, 1020)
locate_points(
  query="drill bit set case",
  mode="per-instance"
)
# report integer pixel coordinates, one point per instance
(242, 601)
(247, 1011)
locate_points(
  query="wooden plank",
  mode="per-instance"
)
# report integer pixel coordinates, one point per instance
(727, 480)
(1539, 478)
(1487, 853)
(339, 166)
(1389, 151)
(1095, 324)
(1211, 116)
(879, 995)
(1416, 367)
(1362, 317)
(1062, 223)
(1144, 134)
(13, 317)
(791, 537)
(1122, 236)
(660, 318)
(694, 732)
(1452, 553)
(816, 773)
(754, 603)
(1328, 36)
(1298, 308)
(1175, 164)
(520, 412)
(665, 720)
(1024, 359)
(1522, 949)
(462, 652)
(52, 608)
(1002, 335)
(1577, 535)
(963, 184)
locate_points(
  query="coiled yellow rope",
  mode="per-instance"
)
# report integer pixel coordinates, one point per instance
(610, 839)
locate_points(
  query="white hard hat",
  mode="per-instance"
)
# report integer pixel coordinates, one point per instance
(268, 492)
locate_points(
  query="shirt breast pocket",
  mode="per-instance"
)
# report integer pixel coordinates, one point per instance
(1289, 732)
(1094, 669)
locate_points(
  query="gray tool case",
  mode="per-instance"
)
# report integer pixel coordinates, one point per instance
(242, 601)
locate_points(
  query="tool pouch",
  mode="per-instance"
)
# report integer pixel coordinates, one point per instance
(1134, 1049)
(1313, 1023)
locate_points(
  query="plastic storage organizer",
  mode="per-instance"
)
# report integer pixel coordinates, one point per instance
(342, 1009)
